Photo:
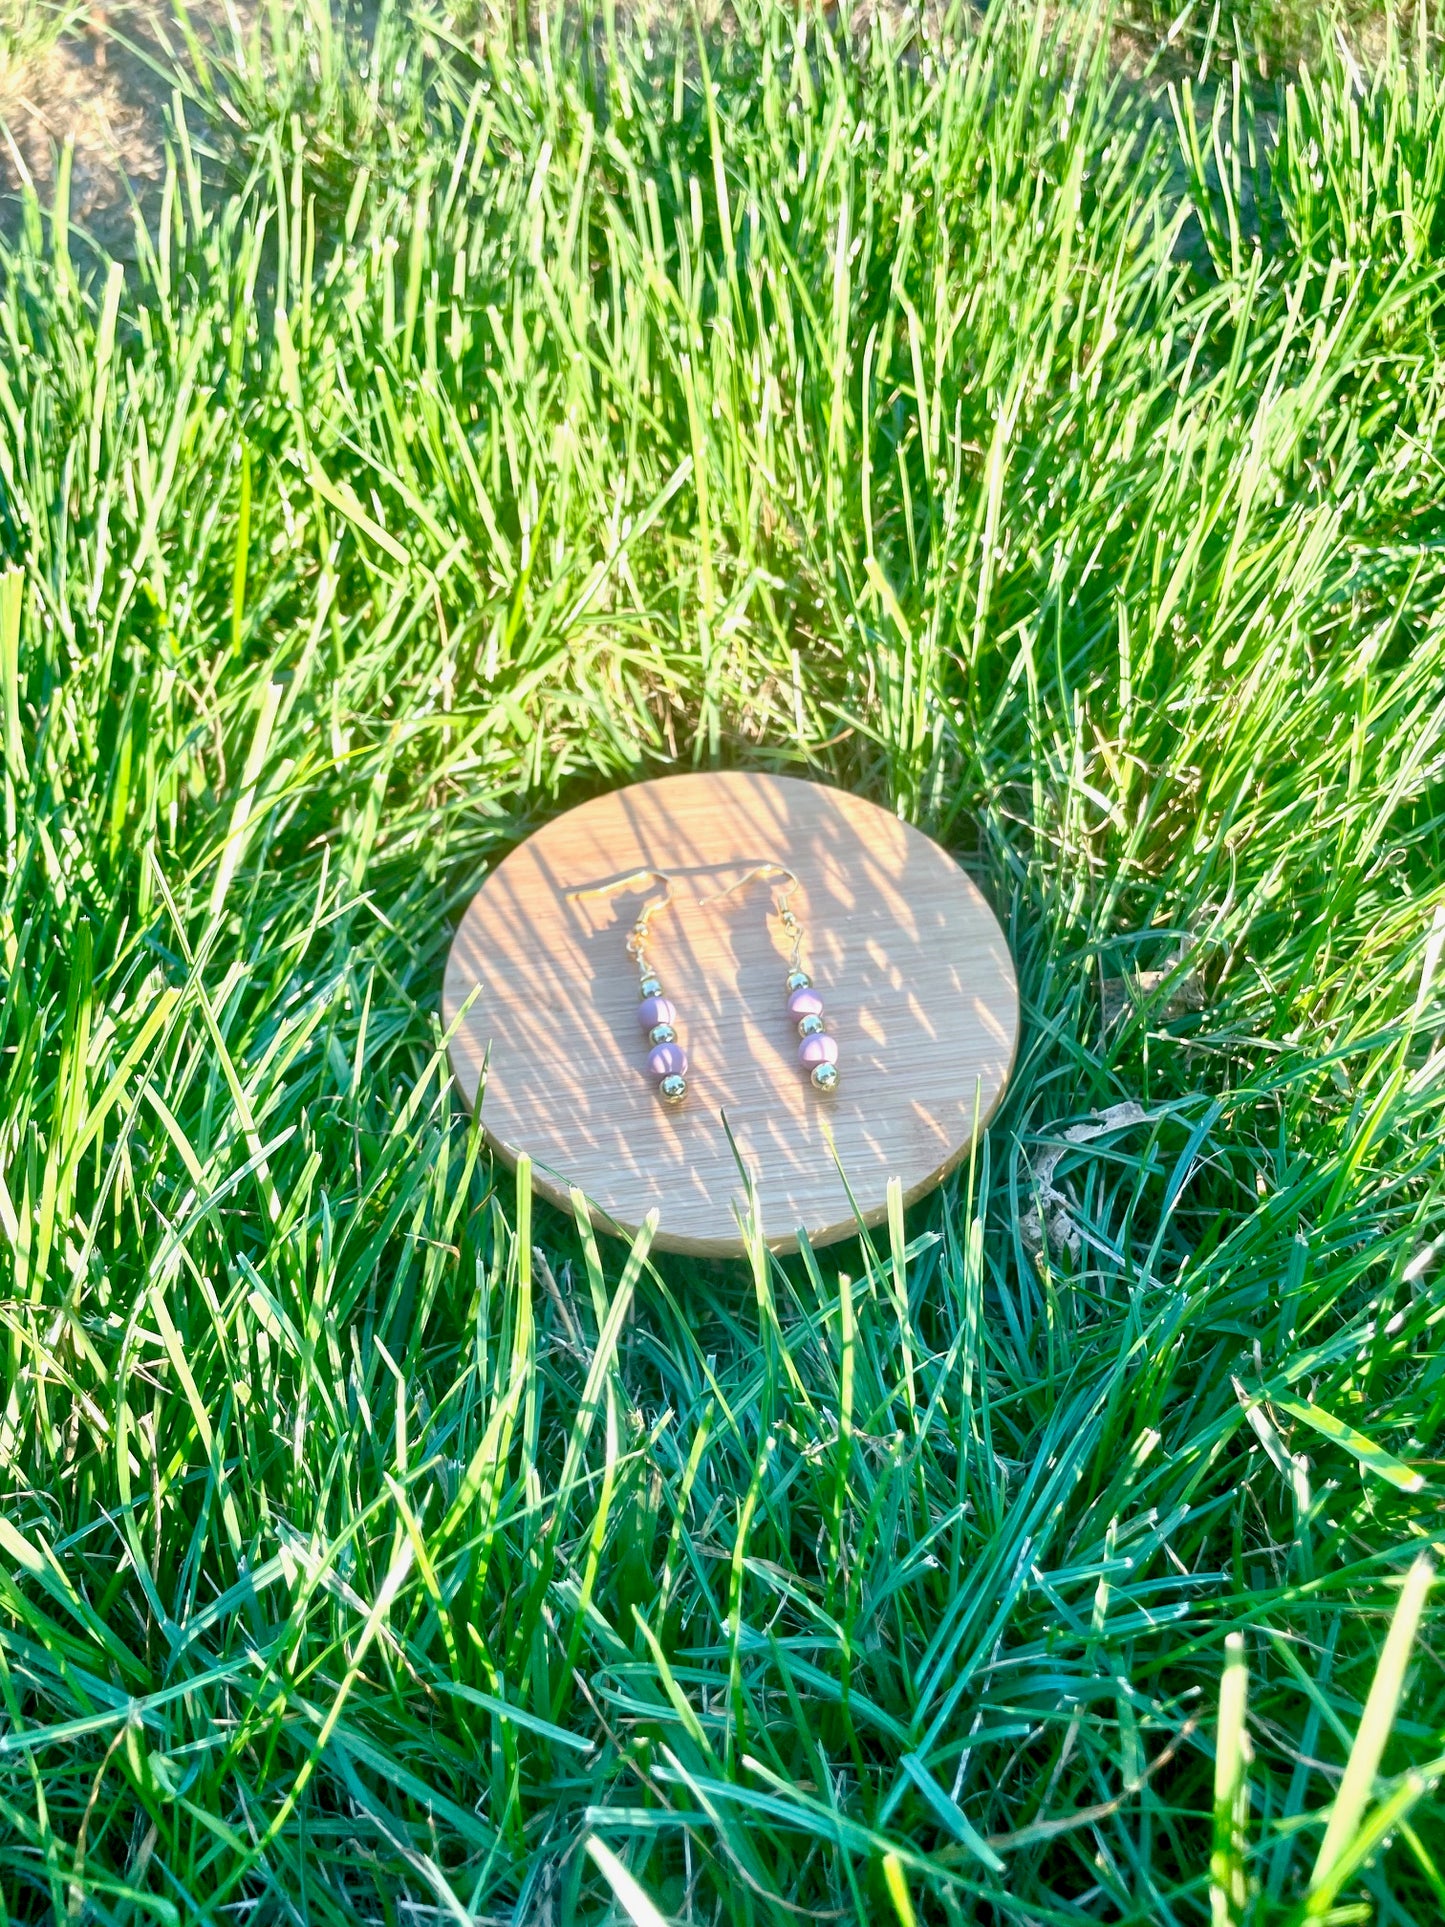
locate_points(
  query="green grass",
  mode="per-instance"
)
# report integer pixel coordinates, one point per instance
(1269, 37)
(482, 426)
(29, 29)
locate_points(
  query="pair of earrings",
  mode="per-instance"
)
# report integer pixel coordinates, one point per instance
(667, 1056)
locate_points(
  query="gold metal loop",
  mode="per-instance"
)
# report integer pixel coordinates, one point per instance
(785, 911)
(637, 936)
(759, 870)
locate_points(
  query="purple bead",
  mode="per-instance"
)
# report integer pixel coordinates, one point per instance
(821, 1049)
(667, 1060)
(655, 1010)
(805, 1003)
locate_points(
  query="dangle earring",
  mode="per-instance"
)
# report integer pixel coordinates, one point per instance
(666, 1058)
(818, 1051)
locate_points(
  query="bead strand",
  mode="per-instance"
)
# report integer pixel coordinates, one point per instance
(667, 1060)
(818, 1052)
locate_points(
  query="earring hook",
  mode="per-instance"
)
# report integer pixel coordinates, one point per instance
(768, 868)
(637, 936)
(781, 904)
(649, 909)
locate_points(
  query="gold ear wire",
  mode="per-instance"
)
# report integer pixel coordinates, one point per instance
(637, 936)
(780, 901)
(758, 870)
(615, 884)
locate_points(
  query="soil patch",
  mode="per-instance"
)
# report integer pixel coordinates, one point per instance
(104, 86)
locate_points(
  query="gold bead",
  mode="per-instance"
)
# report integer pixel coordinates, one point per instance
(662, 1034)
(799, 980)
(825, 1077)
(810, 1026)
(650, 986)
(672, 1089)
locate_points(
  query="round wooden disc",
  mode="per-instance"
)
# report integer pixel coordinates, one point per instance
(917, 979)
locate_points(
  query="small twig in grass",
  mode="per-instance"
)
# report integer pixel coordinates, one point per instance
(77, 1873)
(580, 1682)
(1039, 1830)
(630, 1761)
(564, 1310)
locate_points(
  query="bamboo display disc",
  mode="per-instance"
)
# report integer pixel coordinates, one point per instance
(916, 976)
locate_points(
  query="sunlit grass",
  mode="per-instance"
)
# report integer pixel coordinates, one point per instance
(28, 29)
(477, 430)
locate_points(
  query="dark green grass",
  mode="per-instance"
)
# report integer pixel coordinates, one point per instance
(485, 425)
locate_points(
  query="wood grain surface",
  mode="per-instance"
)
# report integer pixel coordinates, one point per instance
(919, 987)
